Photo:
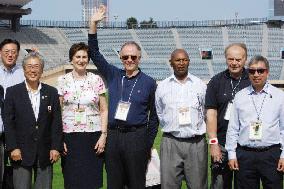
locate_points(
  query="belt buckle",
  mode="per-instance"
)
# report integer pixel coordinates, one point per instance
(262, 149)
(122, 129)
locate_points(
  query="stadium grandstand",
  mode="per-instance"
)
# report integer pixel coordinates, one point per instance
(263, 36)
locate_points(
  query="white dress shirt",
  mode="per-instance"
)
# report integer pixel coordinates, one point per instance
(35, 99)
(171, 94)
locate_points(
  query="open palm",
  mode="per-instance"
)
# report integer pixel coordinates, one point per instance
(99, 14)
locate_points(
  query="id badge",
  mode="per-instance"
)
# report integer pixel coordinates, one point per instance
(122, 110)
(255, 130)
(228, 111)
(80, 116)
(184, 116)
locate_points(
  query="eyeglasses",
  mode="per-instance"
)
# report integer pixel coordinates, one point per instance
(132, 57)
(259, 71)
(35, 67)
(7, 52)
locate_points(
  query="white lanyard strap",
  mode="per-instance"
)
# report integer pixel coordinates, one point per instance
(131, 89)
(79, 92)
(260, 110)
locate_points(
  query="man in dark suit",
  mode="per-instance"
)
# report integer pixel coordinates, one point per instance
(33, 126)
(1, 136)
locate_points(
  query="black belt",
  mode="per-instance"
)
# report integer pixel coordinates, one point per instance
(1, 136)
(259, 149)
(125, 129)
(195, 138)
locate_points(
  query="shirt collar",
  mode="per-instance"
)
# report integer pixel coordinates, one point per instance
(244, 74)
(173, 78)
(14, 68)
(266, 89)
(139, 71)
(30, 91)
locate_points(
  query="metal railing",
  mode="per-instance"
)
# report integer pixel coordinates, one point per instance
(157, 24)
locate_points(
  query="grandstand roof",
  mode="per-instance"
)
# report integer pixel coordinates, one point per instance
(15, 2)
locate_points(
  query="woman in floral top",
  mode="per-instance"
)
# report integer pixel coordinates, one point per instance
(84, 116)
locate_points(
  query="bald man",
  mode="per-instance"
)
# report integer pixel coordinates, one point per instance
(180, 106)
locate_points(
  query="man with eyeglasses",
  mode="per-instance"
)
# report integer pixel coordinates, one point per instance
(180, 106)
(10, 74)
(33, 127)
(255, 135)
(220, 93)
(132, 121)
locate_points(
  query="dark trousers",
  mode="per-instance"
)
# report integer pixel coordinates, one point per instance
(221, 175)
(1, 159)
(222, 179)
(126, 159)
(255, 166)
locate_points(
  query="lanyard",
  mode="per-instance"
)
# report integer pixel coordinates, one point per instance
(131, 89)
(77, 91)
(234, 88)
(258, 112)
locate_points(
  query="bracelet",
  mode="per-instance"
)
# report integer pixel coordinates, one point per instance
(213, 141)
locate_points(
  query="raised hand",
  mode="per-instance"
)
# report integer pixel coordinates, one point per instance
(99, 14)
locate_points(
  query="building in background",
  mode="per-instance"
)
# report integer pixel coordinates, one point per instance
(276, 8)
(88, 7)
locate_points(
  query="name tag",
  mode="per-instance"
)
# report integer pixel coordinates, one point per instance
(255, 131)
(228, 111)
(122, 110)
(184, 116)
(80, 116)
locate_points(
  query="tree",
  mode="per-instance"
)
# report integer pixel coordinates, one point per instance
(148, 24)
(132, 23)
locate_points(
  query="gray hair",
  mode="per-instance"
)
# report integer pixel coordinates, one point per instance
(33, 55)
(241, 45)
(131, 43)
(259, 58)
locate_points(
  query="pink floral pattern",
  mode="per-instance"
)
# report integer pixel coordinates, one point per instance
(84, 92)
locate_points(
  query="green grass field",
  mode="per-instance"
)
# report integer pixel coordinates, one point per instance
(58, 177)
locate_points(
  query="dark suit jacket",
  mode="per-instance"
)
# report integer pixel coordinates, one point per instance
(34, 138)
(1, 100)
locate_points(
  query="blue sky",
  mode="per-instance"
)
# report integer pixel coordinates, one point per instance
(160, 10)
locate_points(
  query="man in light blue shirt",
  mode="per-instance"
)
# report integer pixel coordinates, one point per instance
(255, 133)
(180, 107)
(10, 74)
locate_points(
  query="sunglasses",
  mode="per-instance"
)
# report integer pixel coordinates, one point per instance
(259, 71)
(132, 57)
